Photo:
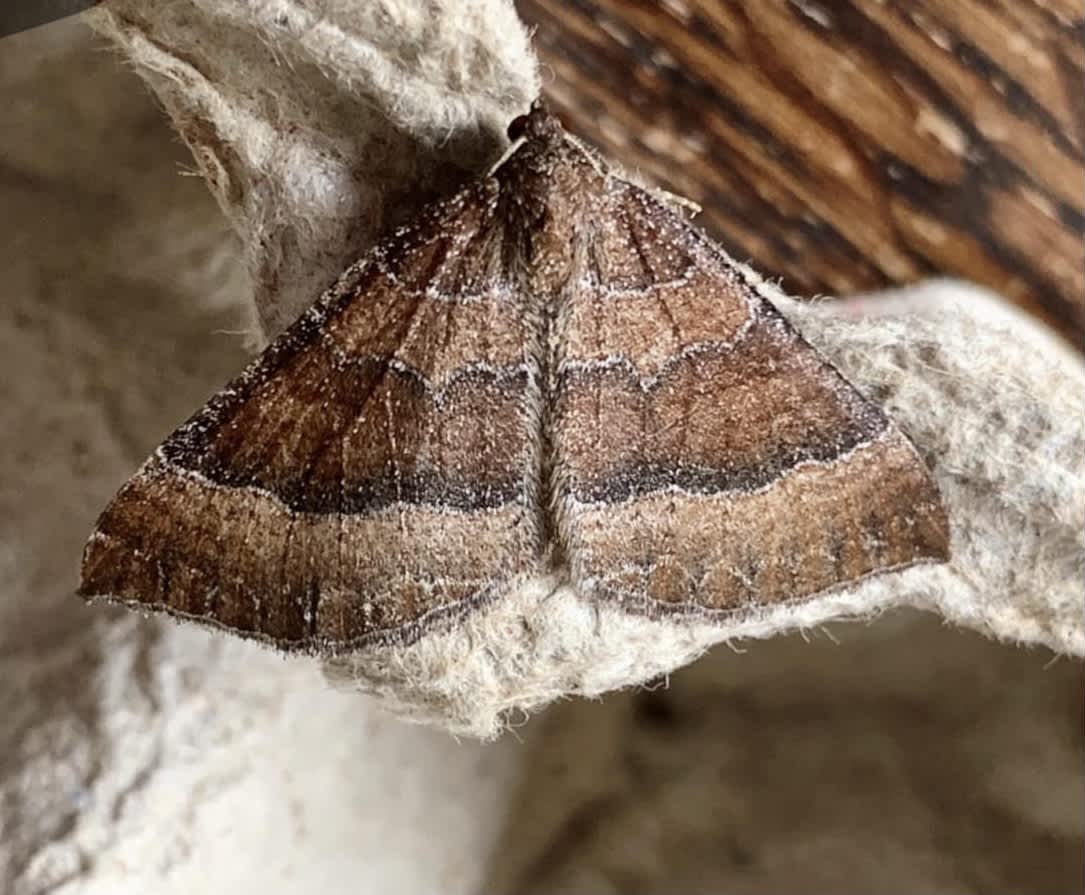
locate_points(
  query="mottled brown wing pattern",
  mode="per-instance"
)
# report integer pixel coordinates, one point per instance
(373, 470)
(748, 471)
(550, 372)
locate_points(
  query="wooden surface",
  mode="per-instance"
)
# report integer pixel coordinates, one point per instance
(847, 144)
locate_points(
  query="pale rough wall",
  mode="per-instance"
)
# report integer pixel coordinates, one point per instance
(140, 757)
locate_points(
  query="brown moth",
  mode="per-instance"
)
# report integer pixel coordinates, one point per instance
(550, 372)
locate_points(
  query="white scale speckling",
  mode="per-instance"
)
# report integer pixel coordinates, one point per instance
(652, 251)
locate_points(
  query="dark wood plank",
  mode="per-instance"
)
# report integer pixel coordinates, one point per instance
(848, 144)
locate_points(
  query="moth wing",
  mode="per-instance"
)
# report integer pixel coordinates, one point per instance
(370, 473)
(748, 471)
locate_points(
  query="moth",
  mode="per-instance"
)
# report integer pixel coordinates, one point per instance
(551, 372)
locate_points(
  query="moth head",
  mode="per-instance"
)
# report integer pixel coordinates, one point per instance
(538, 125)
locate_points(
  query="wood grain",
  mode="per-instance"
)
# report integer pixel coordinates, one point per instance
(846, 145)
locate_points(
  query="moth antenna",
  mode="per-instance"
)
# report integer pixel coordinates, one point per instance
(593, 157)
(506, 155)
(675, 199)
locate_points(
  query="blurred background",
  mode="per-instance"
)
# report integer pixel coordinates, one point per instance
(847, 145)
